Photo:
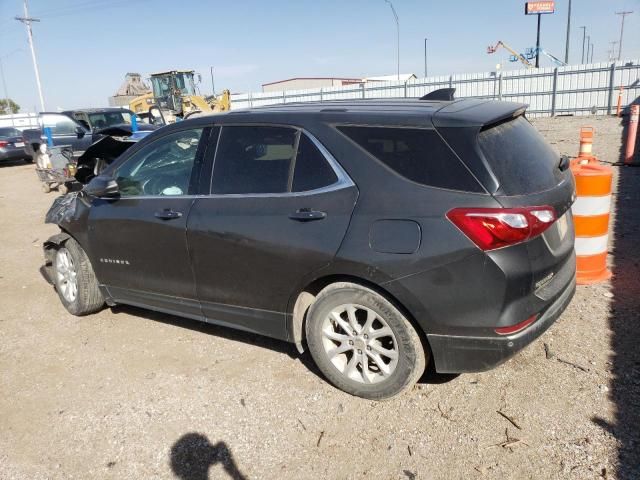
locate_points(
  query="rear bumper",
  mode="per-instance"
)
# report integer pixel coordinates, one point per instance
(459, 354)
(13, 154)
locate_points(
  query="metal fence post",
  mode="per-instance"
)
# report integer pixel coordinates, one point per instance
(450, 81)
(555, 92)
(363, 94)
(500, 86)
(405, 89)
(321, 97)
(612, 77)
(284, 96)
(250, 100)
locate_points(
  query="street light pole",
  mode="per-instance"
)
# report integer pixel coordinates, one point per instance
(27, 20)
(622, 14)
(584, 33)
(395, 15)
(566, 51)
(538, 43)
(213, 85)
(591, 53)
(425, 58)
(588, 46)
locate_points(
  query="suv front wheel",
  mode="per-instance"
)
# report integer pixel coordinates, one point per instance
(362, 343)
(75, 282)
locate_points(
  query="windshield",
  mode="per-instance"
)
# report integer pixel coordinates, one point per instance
(184, 81)
(108, 119)
(10, 132)
(161, 86)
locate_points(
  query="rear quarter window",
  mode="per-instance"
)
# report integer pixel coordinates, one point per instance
(519, 157)
(419, 155)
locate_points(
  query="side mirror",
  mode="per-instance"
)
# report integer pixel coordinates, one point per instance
(102, 187)
(80, 131)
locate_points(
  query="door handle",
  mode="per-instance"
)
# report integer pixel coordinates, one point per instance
(167, 214)
(307, 215)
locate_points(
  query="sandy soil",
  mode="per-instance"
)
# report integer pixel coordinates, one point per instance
(132, 394)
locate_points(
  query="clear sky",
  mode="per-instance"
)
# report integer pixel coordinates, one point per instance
(85, 47)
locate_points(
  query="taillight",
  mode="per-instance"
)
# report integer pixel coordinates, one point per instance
(491, 228)
(3, 143)
(517, 327)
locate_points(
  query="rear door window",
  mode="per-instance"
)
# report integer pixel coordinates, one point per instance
(419, 155)
(520, 158)
(264, 159)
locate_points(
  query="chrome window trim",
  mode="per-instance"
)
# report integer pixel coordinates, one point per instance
(344, 181)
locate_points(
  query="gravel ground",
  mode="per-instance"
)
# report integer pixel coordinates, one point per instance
(132, 394)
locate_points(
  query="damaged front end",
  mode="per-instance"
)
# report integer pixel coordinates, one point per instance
(70, 212)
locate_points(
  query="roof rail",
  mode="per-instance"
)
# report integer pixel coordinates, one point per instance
(440, 94)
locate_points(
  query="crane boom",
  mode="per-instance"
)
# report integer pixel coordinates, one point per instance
(518, 56)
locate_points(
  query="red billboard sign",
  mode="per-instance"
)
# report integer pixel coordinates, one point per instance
(535, 8)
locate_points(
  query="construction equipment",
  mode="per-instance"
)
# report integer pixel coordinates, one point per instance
(515, 56)
(531, 53)
(173, 95)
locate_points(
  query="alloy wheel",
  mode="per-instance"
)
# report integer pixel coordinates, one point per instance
(66, 275)
(360, 344)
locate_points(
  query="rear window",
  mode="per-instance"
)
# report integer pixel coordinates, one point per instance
(419, 155)
(10, 132)
(520, 158)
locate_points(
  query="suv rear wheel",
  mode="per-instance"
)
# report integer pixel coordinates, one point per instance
(75, 282)
(362, 343)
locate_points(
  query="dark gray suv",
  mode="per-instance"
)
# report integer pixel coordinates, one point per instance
(383, 235)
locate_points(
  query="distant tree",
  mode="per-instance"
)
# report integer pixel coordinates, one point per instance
(8, 106)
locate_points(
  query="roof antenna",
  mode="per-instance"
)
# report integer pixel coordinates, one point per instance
(445, 94)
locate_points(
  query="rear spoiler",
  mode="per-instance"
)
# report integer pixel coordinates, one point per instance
(476, 113)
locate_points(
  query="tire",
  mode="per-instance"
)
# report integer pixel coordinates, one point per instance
(28, 160)
(63, 189)
(379, 327)
(71, 266)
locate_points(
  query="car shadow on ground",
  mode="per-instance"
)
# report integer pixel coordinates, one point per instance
(13, 163)
(192, 455)
(430, 376)
(624, 318)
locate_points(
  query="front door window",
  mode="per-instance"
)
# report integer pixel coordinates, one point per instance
(162, 168)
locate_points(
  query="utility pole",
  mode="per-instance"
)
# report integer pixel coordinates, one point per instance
(584, 33)
(395, 15)
(591, 61)
(612, 50)
(425, 57)
(566, 50)
(588, 46)
(6, 93)
(213, 85)
(623, 15)
(27, 20)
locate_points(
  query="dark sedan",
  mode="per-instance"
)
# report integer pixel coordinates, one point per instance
(12, 145)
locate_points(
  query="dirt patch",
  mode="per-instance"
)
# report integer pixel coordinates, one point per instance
(133, 394)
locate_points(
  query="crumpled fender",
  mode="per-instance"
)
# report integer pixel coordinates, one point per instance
(63, 209)
(57, 240)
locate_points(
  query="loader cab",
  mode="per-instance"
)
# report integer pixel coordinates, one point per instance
(169, 88)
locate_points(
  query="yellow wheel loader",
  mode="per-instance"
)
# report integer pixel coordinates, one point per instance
(173, 96)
